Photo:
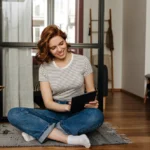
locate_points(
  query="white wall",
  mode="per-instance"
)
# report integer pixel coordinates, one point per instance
(116, 7)
(134, 28)
(131, 32)
(117, 13)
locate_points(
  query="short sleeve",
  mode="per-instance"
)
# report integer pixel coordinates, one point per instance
(87, 67)
(42, 74)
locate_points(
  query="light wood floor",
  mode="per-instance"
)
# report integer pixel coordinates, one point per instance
(128, 115)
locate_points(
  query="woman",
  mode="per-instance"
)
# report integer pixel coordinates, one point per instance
(62, 75)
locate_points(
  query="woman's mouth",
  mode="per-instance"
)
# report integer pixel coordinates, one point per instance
(61, 54)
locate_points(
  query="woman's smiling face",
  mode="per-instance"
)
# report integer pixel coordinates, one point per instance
(58, 47)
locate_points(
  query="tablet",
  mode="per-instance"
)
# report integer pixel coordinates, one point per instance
(78, 102)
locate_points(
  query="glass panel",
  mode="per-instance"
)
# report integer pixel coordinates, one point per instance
(23, 20)
(39, 18)
(73, 17)
(65, 17)
(17, 21)
(17, 78)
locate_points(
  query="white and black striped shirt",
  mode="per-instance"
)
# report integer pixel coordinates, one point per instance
(66, 82)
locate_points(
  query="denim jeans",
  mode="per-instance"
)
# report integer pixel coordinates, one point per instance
(39, 123)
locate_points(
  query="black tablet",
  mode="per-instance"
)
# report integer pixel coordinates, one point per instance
(78, 102)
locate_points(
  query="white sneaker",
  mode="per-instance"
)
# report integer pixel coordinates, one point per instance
(27, 137)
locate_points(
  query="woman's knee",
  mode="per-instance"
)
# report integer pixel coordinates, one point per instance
(95, 117)
(13, 114)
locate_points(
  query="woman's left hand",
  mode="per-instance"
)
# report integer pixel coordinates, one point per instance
(92, 104)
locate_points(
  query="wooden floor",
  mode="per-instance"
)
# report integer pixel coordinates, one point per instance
(128, 115)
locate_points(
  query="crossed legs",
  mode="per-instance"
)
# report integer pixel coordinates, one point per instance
(42, 124)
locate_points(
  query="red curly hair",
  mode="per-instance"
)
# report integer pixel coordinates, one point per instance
(43, 54)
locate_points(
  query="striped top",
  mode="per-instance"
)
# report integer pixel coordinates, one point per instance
(68, 81)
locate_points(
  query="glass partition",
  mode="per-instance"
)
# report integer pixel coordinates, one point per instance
(78, 18)
(39, 18)
(24, 20)
(65, 17)
(17, 78)
(16, 22)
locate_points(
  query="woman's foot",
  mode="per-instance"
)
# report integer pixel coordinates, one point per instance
(27, 137)
(79, 140)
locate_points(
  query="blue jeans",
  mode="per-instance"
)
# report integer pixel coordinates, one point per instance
(39, 123)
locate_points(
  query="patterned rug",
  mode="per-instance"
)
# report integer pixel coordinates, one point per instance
(11, 137)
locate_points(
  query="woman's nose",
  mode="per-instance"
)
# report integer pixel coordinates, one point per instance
(58, 48)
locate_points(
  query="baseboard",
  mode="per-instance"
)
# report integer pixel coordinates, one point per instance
(114, 90)
(129, 93)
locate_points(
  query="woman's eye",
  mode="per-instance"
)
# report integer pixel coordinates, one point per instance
(52, 48)
(61, 43)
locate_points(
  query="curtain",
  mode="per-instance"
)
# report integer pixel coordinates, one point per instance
(17, 63)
